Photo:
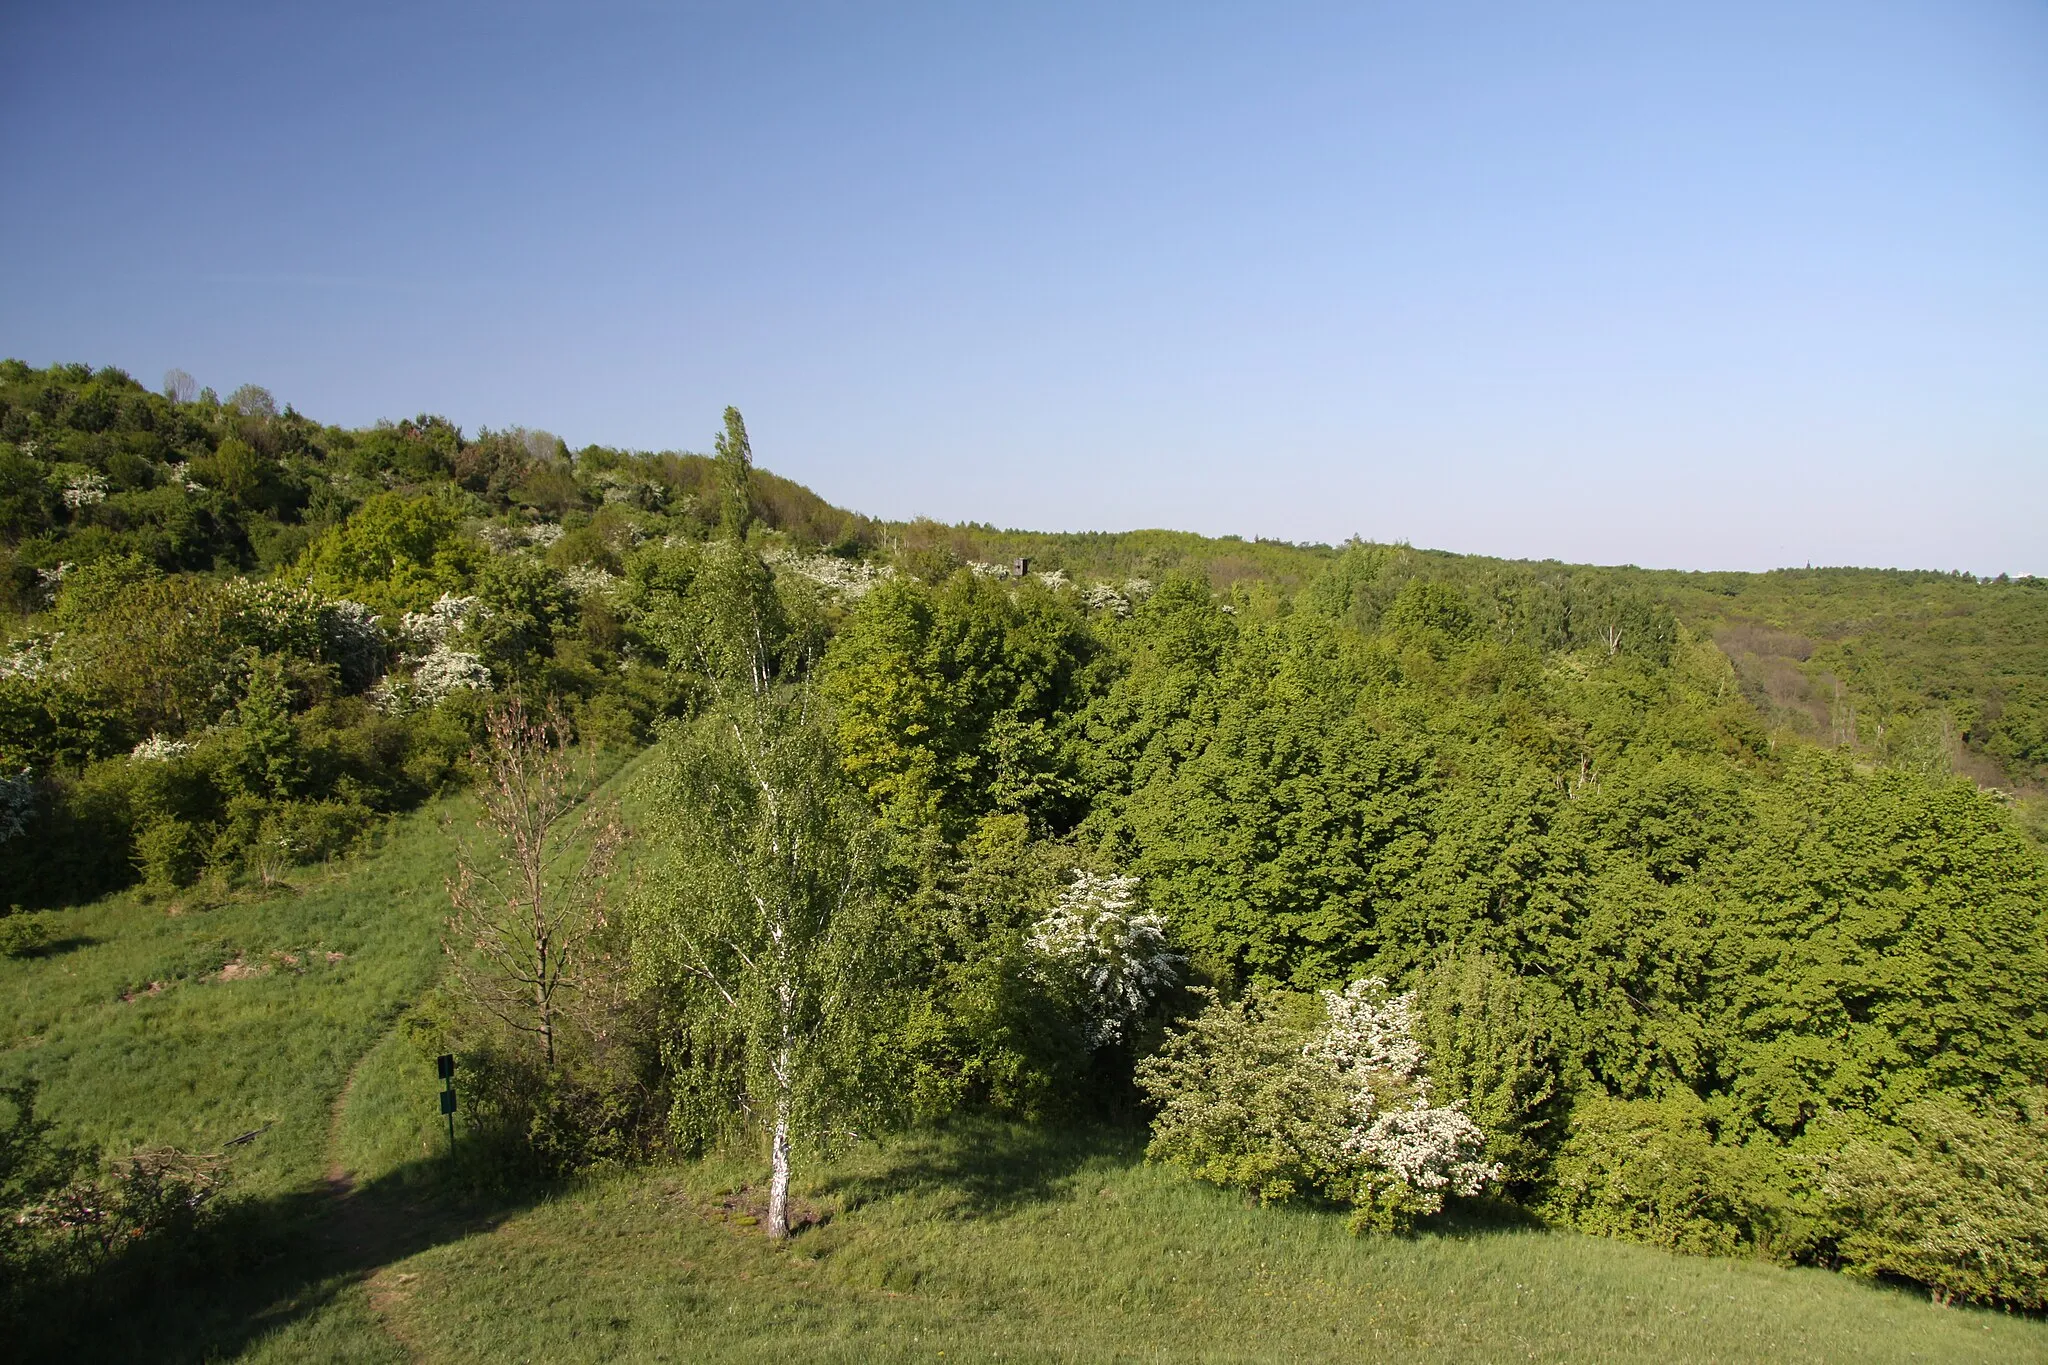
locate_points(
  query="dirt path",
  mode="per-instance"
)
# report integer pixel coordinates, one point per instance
(368, 1230)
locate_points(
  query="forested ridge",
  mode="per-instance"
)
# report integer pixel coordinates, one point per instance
(1700, 909)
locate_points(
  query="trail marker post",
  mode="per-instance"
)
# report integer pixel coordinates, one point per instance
(445, 1064)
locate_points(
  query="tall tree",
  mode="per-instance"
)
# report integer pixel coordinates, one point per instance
(763, 938)
(735, 478)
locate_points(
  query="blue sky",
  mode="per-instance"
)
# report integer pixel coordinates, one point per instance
(1708, 286)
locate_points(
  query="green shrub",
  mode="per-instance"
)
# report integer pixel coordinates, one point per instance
(22, 935)
(1651, 1171)
(1236, 1108)
(170, 853)
(1491, 1046)
(1951, 1199)
(314, 831)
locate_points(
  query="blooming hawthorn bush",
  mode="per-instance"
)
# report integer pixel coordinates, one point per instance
(1277, 1096)
(423, 632)
(1117, 959)
(352, 639)
(160, 749)
(439, 676)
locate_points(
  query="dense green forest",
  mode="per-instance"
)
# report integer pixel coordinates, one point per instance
(1704, 910)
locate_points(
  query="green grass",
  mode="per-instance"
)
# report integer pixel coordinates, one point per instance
(137, 1040)
(983, 1242)
(992, 1242)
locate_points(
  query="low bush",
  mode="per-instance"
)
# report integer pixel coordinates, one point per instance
(22, 935)
(62, 1214)
(1948, 1198)
(1326, 1097)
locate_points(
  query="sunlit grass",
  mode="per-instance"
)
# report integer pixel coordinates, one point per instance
(137, 1038)
(987, 1241)
(1002, 1243)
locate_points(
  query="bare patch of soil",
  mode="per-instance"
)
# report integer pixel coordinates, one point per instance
(747, 1207)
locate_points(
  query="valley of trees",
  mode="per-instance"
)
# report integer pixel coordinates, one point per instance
(1703, 910)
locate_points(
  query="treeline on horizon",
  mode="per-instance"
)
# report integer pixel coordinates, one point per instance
(1882, 661)
(1717, 956)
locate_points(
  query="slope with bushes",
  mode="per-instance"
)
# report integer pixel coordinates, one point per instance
(1425, 882)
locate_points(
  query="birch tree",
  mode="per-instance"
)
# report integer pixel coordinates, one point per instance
(762, 935)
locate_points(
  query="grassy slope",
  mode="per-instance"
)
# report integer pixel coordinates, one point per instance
(989, 1242)
(997, 1243)
(204, 1059)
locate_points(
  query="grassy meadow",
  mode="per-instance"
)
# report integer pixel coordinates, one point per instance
(190, 1023)
(999, 1243)
(193, 1023)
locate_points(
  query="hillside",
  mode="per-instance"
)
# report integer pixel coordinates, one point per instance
(1409, 920)
(986, 1241)
(1936, 666)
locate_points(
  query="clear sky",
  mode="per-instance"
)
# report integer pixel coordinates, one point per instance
(1712, 285)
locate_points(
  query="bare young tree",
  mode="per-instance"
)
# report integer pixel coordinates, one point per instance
(180, 387)
(525, 914)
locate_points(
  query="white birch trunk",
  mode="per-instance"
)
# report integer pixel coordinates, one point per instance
(778, 1182)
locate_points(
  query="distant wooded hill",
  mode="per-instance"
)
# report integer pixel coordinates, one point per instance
(1923, 667)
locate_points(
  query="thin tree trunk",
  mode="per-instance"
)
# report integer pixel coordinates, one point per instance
(778, 1183)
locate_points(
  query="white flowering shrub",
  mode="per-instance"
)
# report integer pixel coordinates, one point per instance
(543, 534)
(291, 618)
(851, 579)
(181, 474)
(17, 803)
(437, 677)
(274, 617)
(422, 632)
(48, 581)
(159, 749)
(351, 639)
(31, 657)
(1409, 1150)
(623, 486)
(1274, 1096)
(1103, 597)
(83, 488)
(587, 580)
(1117, 959)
